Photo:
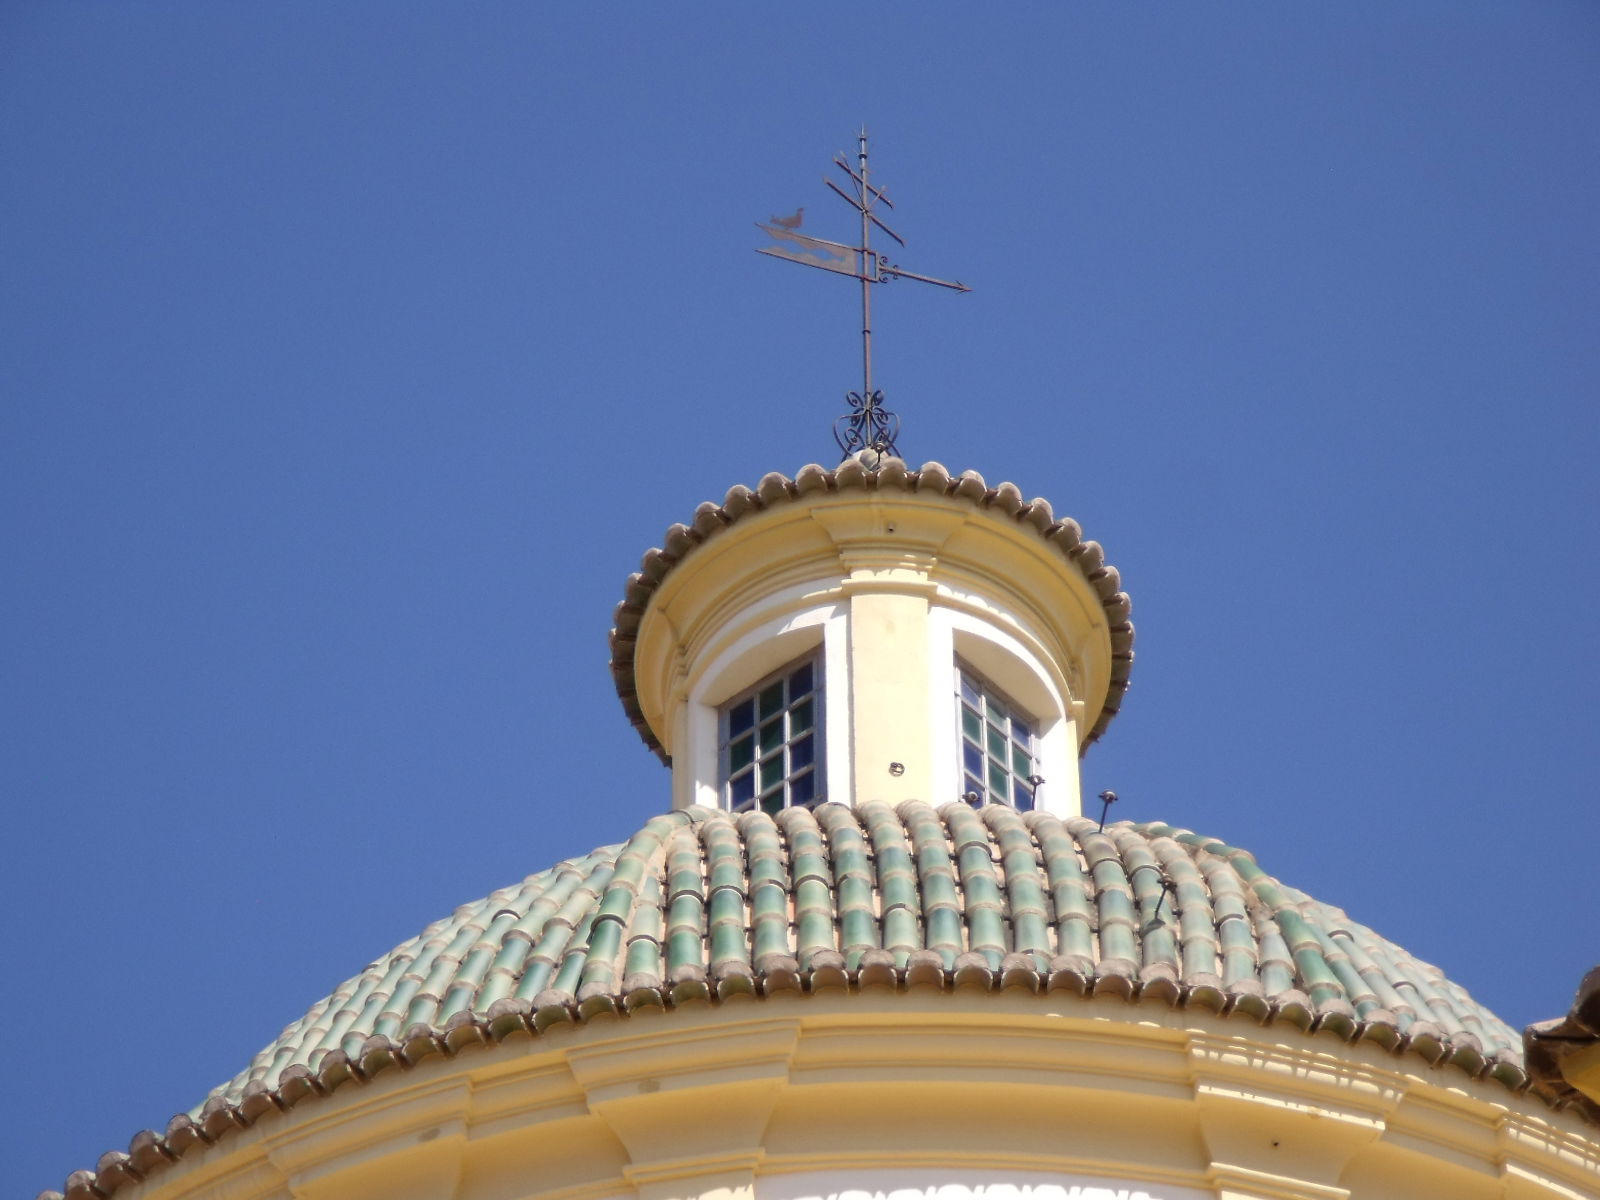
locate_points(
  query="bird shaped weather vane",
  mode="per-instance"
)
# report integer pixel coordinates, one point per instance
(868, 425)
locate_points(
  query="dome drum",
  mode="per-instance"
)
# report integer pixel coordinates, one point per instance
(890, 576)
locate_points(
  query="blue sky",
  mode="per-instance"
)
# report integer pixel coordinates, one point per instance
(355, 351)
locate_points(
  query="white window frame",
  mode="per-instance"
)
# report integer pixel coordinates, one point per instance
(1005, 653)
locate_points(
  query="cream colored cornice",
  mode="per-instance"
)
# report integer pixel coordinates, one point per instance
(691, 1103)
(865, 519)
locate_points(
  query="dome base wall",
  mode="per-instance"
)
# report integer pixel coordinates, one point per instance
(762, 1099)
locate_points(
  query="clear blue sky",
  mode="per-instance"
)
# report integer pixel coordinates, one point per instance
(353, 353)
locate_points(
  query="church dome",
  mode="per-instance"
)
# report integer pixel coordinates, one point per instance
(891, 593)
(700, 907)
(870, 603)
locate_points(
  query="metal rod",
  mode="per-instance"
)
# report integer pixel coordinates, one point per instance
(956, 284)
(886, 229)
(876, 194)
(854, 203)
(1109, 798)
(866, 284)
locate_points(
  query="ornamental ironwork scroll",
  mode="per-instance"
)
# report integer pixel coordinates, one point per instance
(867, 426)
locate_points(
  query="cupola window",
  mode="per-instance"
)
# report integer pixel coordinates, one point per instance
(998, 746)
(771, 742)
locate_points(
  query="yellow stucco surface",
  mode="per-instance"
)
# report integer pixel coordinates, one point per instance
(710, 1100)
(743, 604)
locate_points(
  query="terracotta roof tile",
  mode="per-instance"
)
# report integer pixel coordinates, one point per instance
(1547, 1043)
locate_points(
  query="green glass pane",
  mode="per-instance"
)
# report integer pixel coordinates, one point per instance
(773, 803)
(997, 712)
(971, 725)
(772, 772)
(999, 781)
(997, 743)
(772, 734)
(741, 754)
(771, 699)
(801, 717)
(1021, 761)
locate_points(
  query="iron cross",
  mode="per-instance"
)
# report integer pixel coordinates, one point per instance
(868, 424)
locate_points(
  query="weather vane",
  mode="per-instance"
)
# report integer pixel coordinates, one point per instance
(868, 424)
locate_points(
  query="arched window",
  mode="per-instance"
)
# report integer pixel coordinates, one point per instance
(770, 741)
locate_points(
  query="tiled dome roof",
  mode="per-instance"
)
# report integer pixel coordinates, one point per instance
(699, 905)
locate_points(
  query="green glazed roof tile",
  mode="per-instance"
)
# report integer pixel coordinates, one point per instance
(698, 895)
(701, 905)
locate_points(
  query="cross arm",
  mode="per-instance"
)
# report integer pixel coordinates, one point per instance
(955, 285)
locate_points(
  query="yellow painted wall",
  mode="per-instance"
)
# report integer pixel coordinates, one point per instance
(734, 1099)
(749, 600)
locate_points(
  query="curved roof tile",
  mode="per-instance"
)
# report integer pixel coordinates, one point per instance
(776, 489)
(699, 906)
(1548, 1044)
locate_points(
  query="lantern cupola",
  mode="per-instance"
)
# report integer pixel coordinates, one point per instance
(873, 633)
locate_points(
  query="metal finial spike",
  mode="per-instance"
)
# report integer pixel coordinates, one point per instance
(868, 424)
(1110, 798)
(1154, 923)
